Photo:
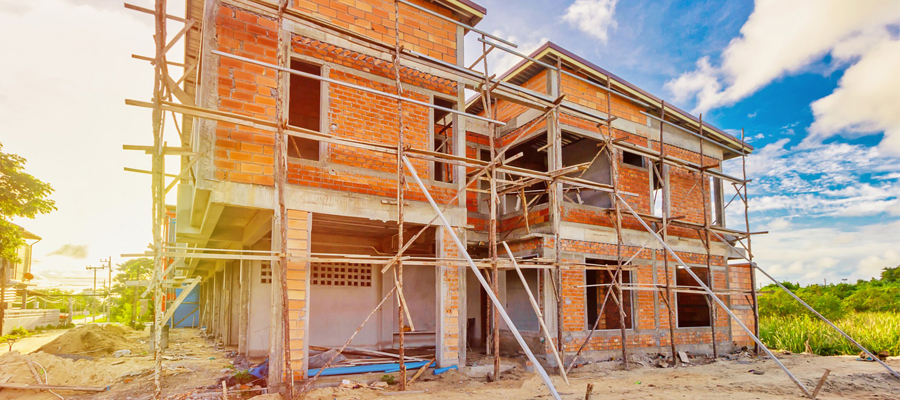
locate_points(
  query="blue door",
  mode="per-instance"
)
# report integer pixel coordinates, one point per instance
(187, 314)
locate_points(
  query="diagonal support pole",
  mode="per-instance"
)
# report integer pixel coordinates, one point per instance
(484, 284)
(808, 307)
(714, 297)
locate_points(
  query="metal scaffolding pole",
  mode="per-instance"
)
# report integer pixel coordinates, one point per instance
(462, 249)
(714, 297)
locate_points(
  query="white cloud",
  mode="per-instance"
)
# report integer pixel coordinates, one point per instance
(782, 37)
(809, 255)
(499, 61)
(594, 17)
(821, 181)
(866, 101)
(64, 112)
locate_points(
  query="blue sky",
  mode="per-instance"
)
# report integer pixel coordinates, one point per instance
(815, 84)
(825, 180)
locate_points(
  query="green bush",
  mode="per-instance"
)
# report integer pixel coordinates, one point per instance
(875, 298)
(19, 331)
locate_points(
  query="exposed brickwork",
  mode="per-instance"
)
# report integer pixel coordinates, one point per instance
(739, 277)
(451, 304)
(375, 19)
(298, 245)
(244, 154)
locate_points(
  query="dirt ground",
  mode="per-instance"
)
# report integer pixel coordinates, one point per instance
(83, 357)
(849, 379)
(194, 369)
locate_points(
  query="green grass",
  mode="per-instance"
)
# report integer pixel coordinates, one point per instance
(876, 331)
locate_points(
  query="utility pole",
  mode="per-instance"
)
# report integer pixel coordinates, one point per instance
(108, 262)
(94, 293)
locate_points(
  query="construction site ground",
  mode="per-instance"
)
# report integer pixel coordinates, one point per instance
(194, 369)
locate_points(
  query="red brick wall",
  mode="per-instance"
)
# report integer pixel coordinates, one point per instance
(375, 19)
(573, 307)
(246, 155)
(591, 96)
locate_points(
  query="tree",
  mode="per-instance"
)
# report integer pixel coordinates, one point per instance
(21, 195)
(132, 270)
(891, 274)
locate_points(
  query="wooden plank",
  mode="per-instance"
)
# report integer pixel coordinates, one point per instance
(22, 386)
(34, 372)
(419, 373)
(821, 383)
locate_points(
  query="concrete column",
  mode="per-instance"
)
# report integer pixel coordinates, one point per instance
(243, 324)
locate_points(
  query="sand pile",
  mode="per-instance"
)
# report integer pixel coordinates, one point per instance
(90, 340)
(63, 371)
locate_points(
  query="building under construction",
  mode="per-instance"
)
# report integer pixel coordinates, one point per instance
(349, 180)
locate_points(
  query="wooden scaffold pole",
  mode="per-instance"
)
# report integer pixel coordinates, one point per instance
(159, 209)
(749, 247)
(662, 176)
(706, 244)
(617, 278)
(492, 224)
(555, 143)
(401, 186)
(280, 370)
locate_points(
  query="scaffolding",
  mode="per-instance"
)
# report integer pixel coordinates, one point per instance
(168, 97)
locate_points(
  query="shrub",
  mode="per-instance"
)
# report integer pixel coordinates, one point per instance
(875, 298)
(19, 331)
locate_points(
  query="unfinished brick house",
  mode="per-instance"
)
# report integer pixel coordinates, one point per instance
(311, 244)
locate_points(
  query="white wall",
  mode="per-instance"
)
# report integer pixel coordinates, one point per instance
(29, 319)
(336, 312)
(518, 306)
(260, 317)
(418, 289)
(473, 308)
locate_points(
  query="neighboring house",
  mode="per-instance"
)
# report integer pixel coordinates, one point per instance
(16, 291)
(341, 197)
(20, 271)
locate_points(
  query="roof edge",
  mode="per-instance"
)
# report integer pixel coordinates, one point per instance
(739, 146)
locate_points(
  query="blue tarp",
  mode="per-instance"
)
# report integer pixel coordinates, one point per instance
(361, 369)
(262, 370)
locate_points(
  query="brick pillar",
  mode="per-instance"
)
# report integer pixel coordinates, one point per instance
(742, 306)
(298, 232)
(448, 340)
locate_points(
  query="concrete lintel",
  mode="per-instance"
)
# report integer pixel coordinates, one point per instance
(592, 233)
(331, 202)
